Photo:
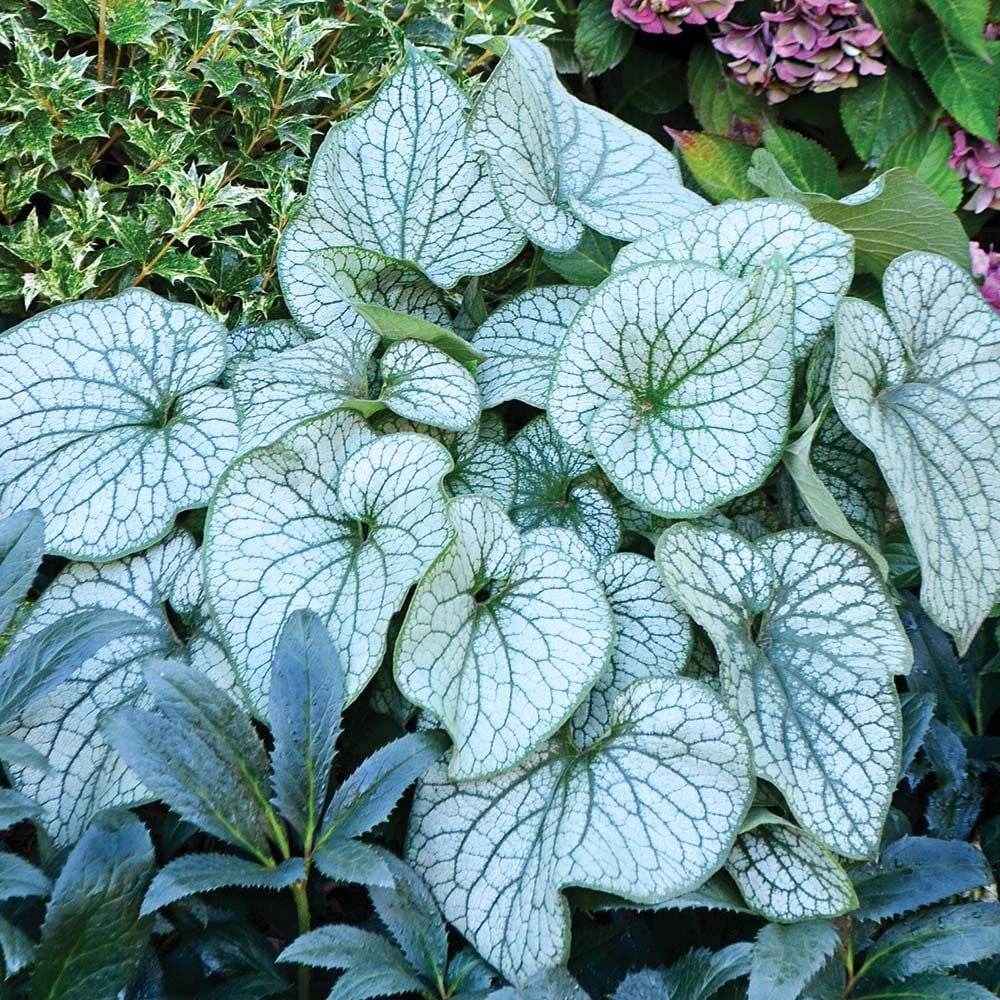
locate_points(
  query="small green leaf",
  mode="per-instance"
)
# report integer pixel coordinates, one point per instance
(197, 873)
(93, 936)
(878, 111)
(968, 87)
(721, 104)
(718, 164)
(589, 263)
(807, 164)
(601, 41)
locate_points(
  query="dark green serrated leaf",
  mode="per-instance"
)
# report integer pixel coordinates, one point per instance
(918, 710)
(879, 110)
(19, 878)
(898, 19)
(93, 936)
(21, 544)
(718, 164)
(930, 987)
(925, 154)
(967, 86)
(601, 41)
(15, 807)
(806, 163)
(197, 873)
(965, 20)
(720, 103)
(306, 699)
(914, 872)
(346, 860)
(786, 957)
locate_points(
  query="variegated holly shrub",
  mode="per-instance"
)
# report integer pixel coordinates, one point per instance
(587, 483)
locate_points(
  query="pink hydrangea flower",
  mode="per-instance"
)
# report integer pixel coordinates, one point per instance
(986, 265)
(816, 45)
(977, 162)
(667, 16)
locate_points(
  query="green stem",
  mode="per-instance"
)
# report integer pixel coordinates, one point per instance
(536, 260)
(302, 911)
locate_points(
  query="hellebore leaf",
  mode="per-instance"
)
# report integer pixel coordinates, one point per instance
(558, 165)
(808, 642)
(22, 542)
(677, 378)
(109, 420)
(520, 341)
(739, 238)
(331, 519)
(502, 640)
(553, 489)
(649, 812)
(395, 201)
(920, 387)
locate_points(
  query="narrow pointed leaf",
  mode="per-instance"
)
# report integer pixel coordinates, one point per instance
(304, 705)
(520, 341)
(93, 937)
(646, 814)
(396, 180)
(21, 546)
(652, 638)
(501, 641)
(198, 873)
(740, 238)
(679, 423)
(346, 860)
(919, 387)
(808, 642)
(558, 164)
(328, 519)
(110, 469)
(788, 876)
(370, 793)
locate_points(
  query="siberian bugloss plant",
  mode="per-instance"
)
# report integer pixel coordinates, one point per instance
(607, 503)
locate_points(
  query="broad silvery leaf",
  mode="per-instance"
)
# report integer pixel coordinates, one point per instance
(394, 195)
(740, 237)
(652, 638)
(502, 640)
(648, 813)
(483, 465)
(520, 341)
(677, 378)
(553, 489)
(558, 165)
(808, 642)
(331, 519)
(257, 340)
(110, 421)
(65, 723)
(93, 936)
(786, 875)
(304, 707)
(413, 379)
(22, 540)
(920, 387)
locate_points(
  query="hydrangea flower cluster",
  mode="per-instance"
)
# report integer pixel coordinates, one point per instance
(816, 45)
(660, 17)
(977, 162)
(986, 265)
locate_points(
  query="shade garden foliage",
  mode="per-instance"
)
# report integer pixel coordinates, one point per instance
(511, 561)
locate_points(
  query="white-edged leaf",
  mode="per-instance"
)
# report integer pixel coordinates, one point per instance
(483, 466)
(110, 422)
(739, 238)
(65, 724)
(646, 814)
(331, 519)
(677, 378)
(421, 383)
(788, 876)
(305, 701)
(520, 341)
(396, 183)
(197, 873)
(22, 541)
(278, 391)
(808, 642)
(652, 638)
(921, 388)
(558, 164)
(785, 958)
(502, 640)
(553, 489)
